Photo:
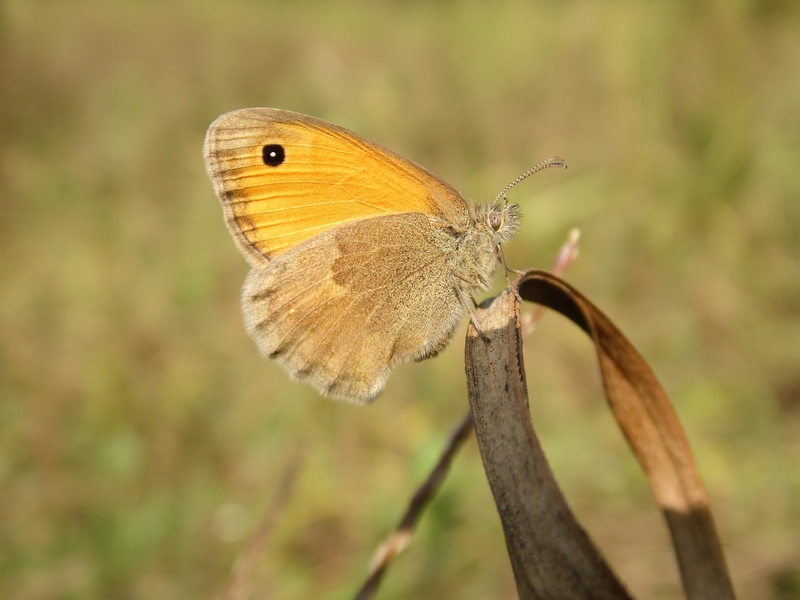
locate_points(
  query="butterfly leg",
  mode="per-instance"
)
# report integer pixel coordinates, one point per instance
(465, 300)
(502, 258)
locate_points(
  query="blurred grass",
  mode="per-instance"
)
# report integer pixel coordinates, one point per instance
(141, 434)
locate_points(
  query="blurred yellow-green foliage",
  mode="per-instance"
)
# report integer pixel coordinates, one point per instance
(141, 436)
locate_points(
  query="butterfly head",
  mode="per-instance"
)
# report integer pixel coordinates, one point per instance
(502, 221)
(493, 225)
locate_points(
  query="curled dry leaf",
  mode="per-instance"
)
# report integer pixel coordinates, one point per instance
(550, 553)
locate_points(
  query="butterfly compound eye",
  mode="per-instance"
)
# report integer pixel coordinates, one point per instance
(495, 221)
(273, 155)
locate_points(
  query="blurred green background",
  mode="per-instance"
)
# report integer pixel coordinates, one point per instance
(142, 437)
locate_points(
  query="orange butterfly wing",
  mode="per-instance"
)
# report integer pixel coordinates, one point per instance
(283, 177)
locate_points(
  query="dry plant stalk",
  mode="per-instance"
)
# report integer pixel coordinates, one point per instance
(550, 554)
(401, 536)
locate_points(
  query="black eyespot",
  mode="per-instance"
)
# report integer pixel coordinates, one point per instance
(273, 155)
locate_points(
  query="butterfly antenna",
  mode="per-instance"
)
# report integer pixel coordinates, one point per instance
(553, 161)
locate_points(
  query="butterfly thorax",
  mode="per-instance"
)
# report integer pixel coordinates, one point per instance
(491, 225)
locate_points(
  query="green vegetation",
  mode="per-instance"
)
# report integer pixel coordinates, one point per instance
(141, 437)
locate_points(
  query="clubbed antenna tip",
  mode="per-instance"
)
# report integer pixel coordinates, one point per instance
(553, 161)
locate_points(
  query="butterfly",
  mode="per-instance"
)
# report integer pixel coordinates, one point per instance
(360, 259)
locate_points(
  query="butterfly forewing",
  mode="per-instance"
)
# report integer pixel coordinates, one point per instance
(283, 177)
